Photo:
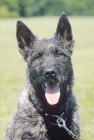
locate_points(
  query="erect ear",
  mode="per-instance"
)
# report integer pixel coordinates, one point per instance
(64, 29)
(25, 38)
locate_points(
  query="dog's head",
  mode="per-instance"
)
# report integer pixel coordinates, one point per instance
(49, 60)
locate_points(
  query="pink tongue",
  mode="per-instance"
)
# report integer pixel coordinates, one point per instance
(52, 93)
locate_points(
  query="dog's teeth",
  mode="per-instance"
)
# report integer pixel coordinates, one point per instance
(45, 84)
(58, 84)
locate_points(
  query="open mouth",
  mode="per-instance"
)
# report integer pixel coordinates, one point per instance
(52, 92)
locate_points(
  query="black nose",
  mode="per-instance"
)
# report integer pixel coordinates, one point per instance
(50, 73)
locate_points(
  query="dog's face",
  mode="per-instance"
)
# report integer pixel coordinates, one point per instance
(49, 62)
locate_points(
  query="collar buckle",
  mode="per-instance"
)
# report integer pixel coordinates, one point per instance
(60, 122)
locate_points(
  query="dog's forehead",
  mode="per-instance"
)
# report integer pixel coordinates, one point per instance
(48, 44)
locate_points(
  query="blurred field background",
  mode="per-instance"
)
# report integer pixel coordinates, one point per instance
(13, 67)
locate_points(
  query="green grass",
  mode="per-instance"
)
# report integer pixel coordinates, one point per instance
(13, 67)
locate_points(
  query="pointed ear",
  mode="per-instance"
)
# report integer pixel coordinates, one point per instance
(25, 38)
(64, 29)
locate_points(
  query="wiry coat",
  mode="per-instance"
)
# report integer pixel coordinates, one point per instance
(33, 118)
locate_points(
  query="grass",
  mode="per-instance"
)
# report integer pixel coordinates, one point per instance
(13, 67)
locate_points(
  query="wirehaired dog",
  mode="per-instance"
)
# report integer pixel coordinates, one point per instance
(47, 108)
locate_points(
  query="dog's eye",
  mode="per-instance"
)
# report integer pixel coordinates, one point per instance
(37, 57)
(59, 54)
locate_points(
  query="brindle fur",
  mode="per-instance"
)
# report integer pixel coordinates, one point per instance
(28, 122)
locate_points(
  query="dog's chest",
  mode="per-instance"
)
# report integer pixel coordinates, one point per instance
(57, 133)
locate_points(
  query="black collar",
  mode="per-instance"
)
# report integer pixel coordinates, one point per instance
(53, 118)
(59, 121)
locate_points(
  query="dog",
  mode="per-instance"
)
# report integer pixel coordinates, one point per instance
(47, 108)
